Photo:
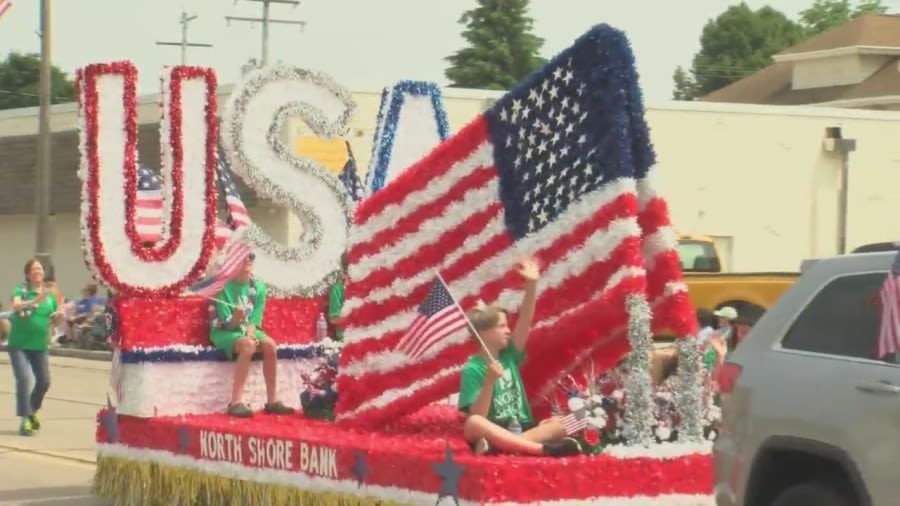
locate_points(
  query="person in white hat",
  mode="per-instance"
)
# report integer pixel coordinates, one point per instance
(726, 315)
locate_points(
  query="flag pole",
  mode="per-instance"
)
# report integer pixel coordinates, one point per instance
(471, 327)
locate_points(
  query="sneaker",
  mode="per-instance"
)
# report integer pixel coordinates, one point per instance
(481, 447)
(239, 410)
(35, 421)
(278, 408)
(26, 429)
(565, 447)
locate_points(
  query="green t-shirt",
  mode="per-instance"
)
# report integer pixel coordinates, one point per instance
(508, 400)
(335, 303)
(238, 294)
(33, 331)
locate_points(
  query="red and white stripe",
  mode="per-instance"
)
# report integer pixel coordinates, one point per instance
(237, 211)
(426, 333)
(148, 222)
(223, 233)
(573, 423)
(591, 257)
(4, 6)
(889, 328)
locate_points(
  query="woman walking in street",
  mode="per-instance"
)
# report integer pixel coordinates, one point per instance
(34, 309)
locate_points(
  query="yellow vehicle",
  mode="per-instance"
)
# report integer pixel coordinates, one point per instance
(710, 288)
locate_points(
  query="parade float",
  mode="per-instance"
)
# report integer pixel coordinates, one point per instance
(559, 168)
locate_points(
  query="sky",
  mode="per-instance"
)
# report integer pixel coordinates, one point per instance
(363, 44)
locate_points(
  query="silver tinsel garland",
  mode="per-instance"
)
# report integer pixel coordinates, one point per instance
(639, 421)
(689, 394)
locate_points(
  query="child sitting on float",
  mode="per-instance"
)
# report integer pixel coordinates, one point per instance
(235, 329)
(491, 393)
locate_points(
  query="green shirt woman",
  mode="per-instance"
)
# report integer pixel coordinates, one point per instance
(34, 309)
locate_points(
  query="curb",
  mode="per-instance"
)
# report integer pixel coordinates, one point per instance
(99, 355)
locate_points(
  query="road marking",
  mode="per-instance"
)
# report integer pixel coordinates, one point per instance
(46, 456)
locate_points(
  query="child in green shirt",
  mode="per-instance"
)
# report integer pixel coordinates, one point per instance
(491, 393)
(235, 329)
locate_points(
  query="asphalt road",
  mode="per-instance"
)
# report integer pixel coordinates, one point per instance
(55, 467)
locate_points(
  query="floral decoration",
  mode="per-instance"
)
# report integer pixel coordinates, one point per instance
(251, 139)
(318, 393)
(605, 397)
(399, 457)
(393, 99)
(108, 171)
(289, 321)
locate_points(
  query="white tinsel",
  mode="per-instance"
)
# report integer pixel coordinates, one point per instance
(689, 396)
(638, 429)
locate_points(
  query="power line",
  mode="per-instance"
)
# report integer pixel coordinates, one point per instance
(184, 44)
(265, 20)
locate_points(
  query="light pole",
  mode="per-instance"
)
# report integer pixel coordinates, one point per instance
(265, 20)
(836, 143)
(184, 44)
(43, 234)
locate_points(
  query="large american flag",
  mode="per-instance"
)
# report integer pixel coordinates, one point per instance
(438, 318)
(149, 204)
(558, 169)
(889, 328)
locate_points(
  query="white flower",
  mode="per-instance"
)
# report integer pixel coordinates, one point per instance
(712, 435)
(618, 395)
(575, 403)
(599, 412)
(663, 432)
(597, 399)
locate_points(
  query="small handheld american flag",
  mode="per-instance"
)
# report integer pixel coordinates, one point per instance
(234, 256)
(889, 329)
(574, 423)
(438, 317)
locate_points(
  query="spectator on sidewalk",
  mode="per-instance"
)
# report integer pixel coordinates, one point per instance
(35, 307)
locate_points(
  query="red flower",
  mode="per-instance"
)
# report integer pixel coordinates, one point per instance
(591, 436)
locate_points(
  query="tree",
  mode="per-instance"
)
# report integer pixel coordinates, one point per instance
(19, 78)
(824, 15)
(501, 46)
(737, 43)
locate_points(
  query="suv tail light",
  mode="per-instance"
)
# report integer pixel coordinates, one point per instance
(727, 376)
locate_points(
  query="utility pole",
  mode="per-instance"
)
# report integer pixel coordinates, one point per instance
(43, 234)
(184, 44)
(265, 20)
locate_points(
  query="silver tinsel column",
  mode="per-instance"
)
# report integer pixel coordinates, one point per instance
(689, 394)
(638, 429)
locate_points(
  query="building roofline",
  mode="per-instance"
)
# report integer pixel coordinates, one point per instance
(814, 111)
(863, 101)
(837, 52)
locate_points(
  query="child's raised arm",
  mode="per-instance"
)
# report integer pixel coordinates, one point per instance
(530, 271)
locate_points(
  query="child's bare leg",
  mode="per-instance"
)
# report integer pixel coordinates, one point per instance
(477, 427)
(550, 429)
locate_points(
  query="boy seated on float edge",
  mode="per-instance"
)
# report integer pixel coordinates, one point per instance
(491, 393)
(235, 330)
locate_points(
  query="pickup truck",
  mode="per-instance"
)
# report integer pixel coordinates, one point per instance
(710, 288)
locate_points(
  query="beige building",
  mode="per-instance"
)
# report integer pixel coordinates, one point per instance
(854, 65)
(757, 178)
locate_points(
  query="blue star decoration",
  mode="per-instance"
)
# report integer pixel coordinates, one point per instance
(109, 420)
(360, 470)
(449, 472)
(183, 441)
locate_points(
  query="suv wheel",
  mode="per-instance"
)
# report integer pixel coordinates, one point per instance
(808, 494)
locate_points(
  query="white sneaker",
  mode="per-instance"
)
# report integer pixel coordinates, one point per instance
(481, 447)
